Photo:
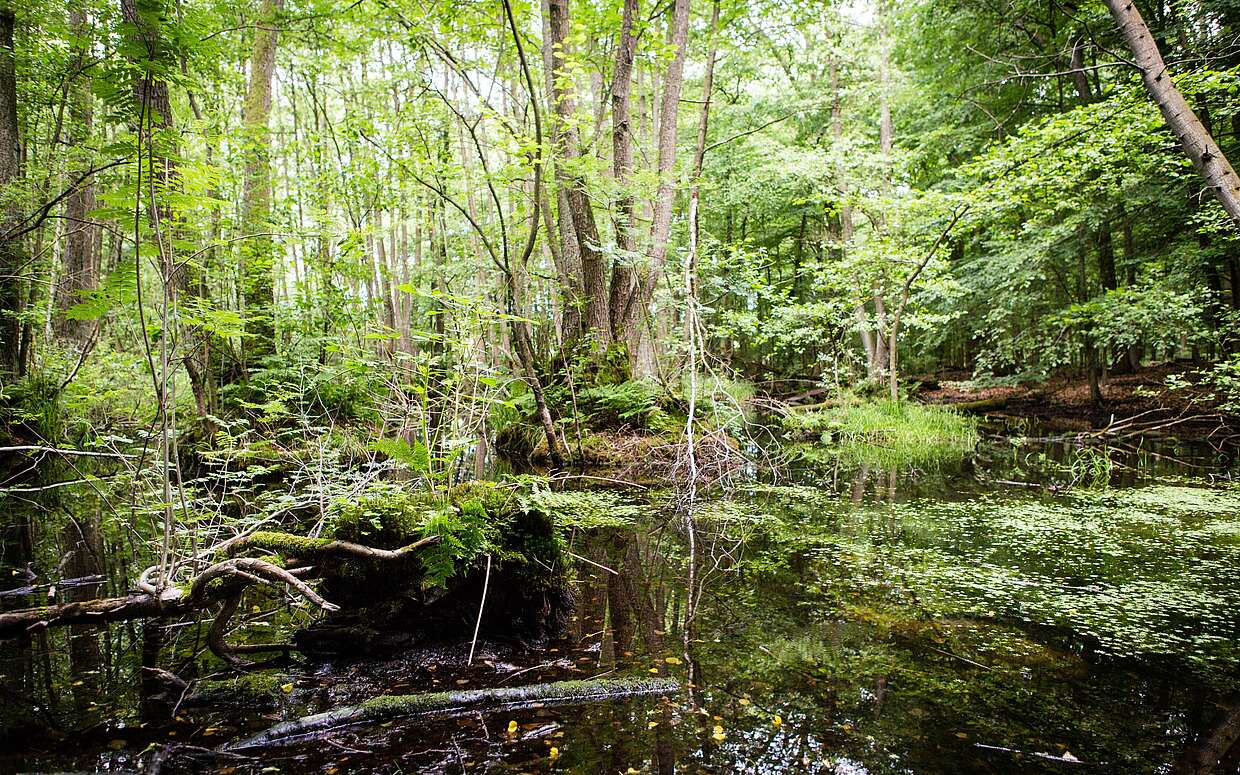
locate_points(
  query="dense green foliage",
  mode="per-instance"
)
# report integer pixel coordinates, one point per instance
(1013, 207)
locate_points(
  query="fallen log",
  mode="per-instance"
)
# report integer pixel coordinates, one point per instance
(452, 703)
(111, 609)
(230, 577)
(306, 548)
(978, 406)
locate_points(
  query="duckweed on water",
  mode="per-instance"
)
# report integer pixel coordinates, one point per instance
(1141, 573)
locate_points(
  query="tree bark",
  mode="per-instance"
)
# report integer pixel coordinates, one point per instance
(10, 168)
(594, 294)
(83, 239)
(258, 248)
(1196, 142)
(623, 274)
(660, 231)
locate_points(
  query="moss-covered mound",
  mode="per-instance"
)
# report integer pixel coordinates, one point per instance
(613, 449)
(436, 590)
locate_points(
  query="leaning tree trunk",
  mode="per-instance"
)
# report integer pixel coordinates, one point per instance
(1195, 140)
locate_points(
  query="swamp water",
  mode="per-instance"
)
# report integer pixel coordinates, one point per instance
(978, 615)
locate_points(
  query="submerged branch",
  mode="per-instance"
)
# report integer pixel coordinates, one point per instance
(451, 703)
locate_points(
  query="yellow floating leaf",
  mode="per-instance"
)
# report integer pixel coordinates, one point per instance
(744, 700)
(651, 724)
(512, 727)
(777, 721)
(554, 753)
(654, 670)
(672, 661)
(962, 735)
(718, 735)
(286, 688)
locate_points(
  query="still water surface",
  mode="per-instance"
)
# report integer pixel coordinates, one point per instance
(1028, 609)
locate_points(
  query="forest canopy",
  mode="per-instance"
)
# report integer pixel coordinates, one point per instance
(250, 202)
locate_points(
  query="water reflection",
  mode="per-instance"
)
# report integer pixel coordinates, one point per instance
(847, 619)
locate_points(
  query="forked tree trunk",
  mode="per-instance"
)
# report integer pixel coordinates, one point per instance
(1195, 140)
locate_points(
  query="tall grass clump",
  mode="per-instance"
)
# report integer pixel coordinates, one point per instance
(885, 432)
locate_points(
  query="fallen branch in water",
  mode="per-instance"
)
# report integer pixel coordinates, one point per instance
(232, 576)
(452, 703)
(112, 609)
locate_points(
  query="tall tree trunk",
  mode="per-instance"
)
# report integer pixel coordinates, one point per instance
(258, 248)
(1089, 353)
(1106, 258)
(153, 110)
(83, 239)
(699, 156)
(1196, 142)
(594, 293)
(10, 169)
(866, 333)
(641, 360)
(623, 274)
(515, 276)
(1132, 358)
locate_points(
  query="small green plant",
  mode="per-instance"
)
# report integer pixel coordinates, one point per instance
(1090, 468)
(884, 432)
(632, 404)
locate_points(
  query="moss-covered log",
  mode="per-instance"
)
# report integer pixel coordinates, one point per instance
(396, 559)
(292, 545)
(443, 704)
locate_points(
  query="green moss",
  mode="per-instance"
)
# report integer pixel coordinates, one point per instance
(586, 509)
(262, 689)
(286, 544)
(471, 520)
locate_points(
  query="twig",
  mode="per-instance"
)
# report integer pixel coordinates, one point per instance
(486, 583)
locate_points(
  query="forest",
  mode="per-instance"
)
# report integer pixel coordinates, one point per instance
(608, 386)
